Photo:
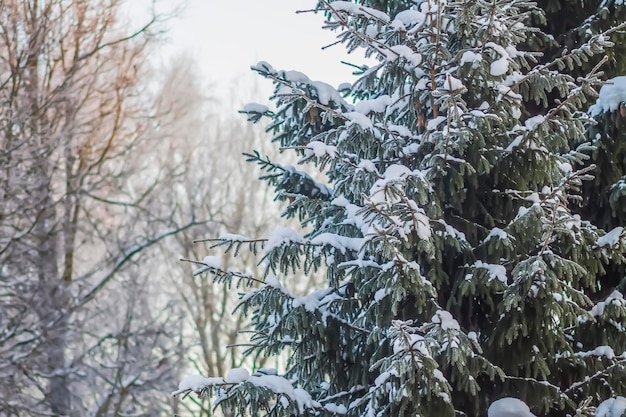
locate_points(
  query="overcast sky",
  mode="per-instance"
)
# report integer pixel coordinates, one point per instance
(226, 37)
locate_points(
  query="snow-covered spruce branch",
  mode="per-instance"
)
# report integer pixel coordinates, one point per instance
(220, 273)
(555, 198)
(555, 389)
(297, 93)
(621, 364)
(595, 44)
(269, 392)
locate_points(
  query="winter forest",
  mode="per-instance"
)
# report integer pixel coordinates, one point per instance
(441, 235)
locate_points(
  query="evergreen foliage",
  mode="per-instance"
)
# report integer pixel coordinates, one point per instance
(461, 263)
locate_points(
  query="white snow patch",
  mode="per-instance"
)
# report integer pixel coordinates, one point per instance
(496, 233)
(470, 57)
(358, 10)
(196, 383)
(402, 51)
(533, 122)
(434, 123)
(495, 271)
(612, 94)
(613, 407)
(380, 294)
(445, 320)
(415, 342)
(499, 66)
(509, 407)
(237, 375)
(616, 298)
(320, 149)
(282, 236)
(367, 166)
(606, 351)
(410, 17)
(359, 119)
(209, 262)
(304, 400)
(453, 84)
(336, 408)
(312, 301)
(342, 243)
(374, 105)
(255, 108)
(327, 93)
(280, 385)
(612, 238)
(213, 262)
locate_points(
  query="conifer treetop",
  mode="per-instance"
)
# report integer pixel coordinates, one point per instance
(438, 199)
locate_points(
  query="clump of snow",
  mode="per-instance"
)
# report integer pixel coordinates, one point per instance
(410, 17)
(255, 108)
(213, 262)
(453, 84)
(304, 400)
(282, 236)
(612, 238)
(263, 66)
(280, 385)
(533, 122)
(295, 76)
(445, 320)
(384, 376)
(367, 166)
(237, 375)
(327, 93)
(356, 118)
(612, 94)
(336, 408)
(412, 342)
(393, 174)
(320, 149)
(314, 300)
(616, 298)
(272, 281)
(495, 271)
(381, 293)
(509, 407)
(375, 105)
(209, 262)
(606, 351)
(196, 383)
(499, 66)
(402, 51)
(613, 407)
(470, 57)
(342, 243)
(435, 122)
(358, 10)
(344, 87)
(496, 233)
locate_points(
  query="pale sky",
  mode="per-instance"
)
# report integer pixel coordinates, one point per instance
(226, 37)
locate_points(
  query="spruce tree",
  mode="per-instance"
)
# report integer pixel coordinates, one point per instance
(459, 267)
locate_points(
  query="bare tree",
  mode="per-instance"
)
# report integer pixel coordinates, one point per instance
(77, 207)
(203, 154)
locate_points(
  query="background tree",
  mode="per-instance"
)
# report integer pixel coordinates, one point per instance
(82, 331)
(459, 267)
(214, 191)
